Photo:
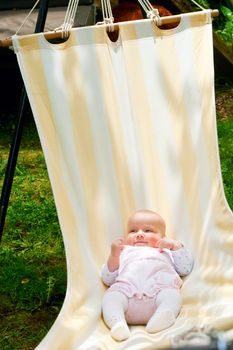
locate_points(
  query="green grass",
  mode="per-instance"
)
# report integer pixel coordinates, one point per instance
(224, 104)
(225, 136)
(33, 268)
(33, 271)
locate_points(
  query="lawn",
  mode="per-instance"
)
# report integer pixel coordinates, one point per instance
(33, 269)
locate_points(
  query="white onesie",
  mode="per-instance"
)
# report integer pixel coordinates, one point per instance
(145, 271)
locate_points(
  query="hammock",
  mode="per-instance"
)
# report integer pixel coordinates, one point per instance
(127, 125)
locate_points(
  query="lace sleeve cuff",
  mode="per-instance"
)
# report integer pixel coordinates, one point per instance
(107, 276)
(183, 261)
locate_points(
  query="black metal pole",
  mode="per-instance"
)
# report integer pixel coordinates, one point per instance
(15, 145)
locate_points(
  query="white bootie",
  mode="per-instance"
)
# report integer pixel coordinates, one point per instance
(120, 331)
(160, 321)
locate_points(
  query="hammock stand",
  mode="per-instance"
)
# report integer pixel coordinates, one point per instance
(15, 144)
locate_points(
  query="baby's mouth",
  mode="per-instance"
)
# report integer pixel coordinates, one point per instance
(140, 243)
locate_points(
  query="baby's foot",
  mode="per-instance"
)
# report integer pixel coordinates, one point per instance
(120, 331)
(160, 321)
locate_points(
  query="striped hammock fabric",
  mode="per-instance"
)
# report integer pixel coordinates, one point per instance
(127, 125)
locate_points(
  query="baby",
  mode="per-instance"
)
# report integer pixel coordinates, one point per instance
(143, 272)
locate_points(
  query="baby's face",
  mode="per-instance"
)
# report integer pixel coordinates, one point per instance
(145, 229)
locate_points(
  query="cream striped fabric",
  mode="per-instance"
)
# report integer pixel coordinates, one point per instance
(127, 125)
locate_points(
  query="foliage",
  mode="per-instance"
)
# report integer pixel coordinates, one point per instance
(225, 132)
(224, 23)
(226, 28)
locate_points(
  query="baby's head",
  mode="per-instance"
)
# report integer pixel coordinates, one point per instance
(145, 228)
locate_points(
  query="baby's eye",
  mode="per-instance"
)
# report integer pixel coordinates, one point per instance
(148, 231)
(133, 231)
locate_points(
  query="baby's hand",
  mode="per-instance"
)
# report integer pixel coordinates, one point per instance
(168, 243)
(114, 257)
(117, 247)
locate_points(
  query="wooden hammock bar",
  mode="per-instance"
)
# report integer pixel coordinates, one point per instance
(7, 42)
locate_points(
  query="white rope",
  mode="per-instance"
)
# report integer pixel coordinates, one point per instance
(69, 18)
(106, 8)
(154, 16)
(68, 21)
(146, 5)
(26, 18)
(198, 5)
(150, 11)
(108, 18)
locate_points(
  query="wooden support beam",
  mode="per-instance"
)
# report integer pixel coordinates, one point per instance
(58, 35)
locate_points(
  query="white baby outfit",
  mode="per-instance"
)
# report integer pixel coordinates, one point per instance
(144, 272)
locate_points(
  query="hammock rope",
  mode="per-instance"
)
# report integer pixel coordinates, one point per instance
(108, 18)
(198, 5)
(69, 18)
(27, 17)
(150, 11)
(63, 30)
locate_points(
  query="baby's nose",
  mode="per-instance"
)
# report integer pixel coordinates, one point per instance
(140, 234)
